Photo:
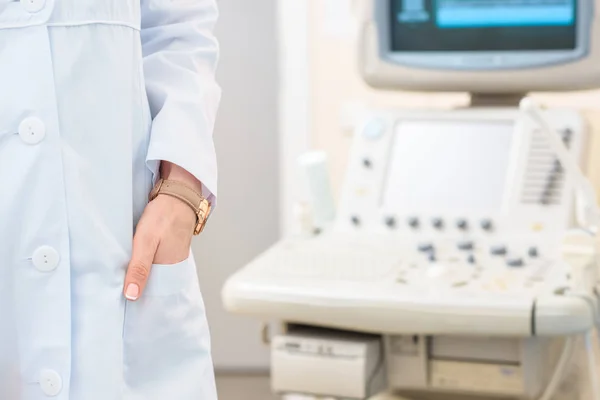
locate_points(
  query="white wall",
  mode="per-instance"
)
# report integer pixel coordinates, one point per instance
(247, 216)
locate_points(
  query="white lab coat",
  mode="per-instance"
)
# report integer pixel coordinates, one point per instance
(93, 94)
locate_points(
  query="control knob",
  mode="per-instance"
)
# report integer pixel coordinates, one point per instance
(533, 252)
(498, 250)
(413, 222)
(426, 248)
(390, 222)
(462, 224)
(515, 262)
(487, 225)
(466, 246)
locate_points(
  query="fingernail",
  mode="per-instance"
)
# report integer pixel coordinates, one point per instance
(132, 292)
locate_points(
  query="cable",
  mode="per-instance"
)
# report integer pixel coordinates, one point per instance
(559, 370)
(592, 370)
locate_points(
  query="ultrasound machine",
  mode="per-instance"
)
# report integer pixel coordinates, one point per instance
(462, 256)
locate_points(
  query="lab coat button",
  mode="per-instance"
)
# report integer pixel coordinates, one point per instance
(46, 259)
(33, 6)
(32, 130)
(51, 382)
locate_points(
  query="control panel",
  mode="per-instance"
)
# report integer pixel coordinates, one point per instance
(504, 266)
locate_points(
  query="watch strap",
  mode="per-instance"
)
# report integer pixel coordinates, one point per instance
(186, 194)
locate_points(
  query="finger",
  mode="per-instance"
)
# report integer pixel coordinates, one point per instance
(138, 271)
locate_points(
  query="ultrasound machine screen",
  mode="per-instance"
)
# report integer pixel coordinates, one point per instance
(483, 25)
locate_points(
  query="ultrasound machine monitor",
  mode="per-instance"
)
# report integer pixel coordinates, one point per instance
(480, 46)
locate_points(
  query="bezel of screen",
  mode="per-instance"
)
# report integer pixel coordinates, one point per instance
(482, 59)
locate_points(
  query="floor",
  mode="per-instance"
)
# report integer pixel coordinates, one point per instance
(244, 387)
(256, 387)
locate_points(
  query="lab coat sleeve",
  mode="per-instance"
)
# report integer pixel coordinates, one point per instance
(180, 58)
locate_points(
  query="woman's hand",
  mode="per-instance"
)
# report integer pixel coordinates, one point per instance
(163, 235)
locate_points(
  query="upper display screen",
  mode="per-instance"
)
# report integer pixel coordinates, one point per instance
(483, 25)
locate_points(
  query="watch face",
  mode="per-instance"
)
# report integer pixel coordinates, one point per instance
(202, 216)
(204, 208)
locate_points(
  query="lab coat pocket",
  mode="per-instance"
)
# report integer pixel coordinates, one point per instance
(169, 279)
(166, 338)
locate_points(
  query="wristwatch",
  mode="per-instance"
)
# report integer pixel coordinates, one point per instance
(189, 196)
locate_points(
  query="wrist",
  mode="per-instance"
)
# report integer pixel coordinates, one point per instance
(185, 193)
(174, 172)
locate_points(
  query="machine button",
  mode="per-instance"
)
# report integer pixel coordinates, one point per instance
(467, 246)
(390, 222)
(426, 248)
(355, 220)
(561, 291)
(487, 225)
(33, 6)
(32, 130)
(413, 222)
(367, 163)
(374, 129)
(498, 250)
(45, 259)
(462, 224)
(533, 252)
(515, 262)
(566, 135)
(438, 223)
(432, 257)
(471, 259)
(50, 382)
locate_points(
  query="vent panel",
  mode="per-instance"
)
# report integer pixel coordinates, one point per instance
(544, 178)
